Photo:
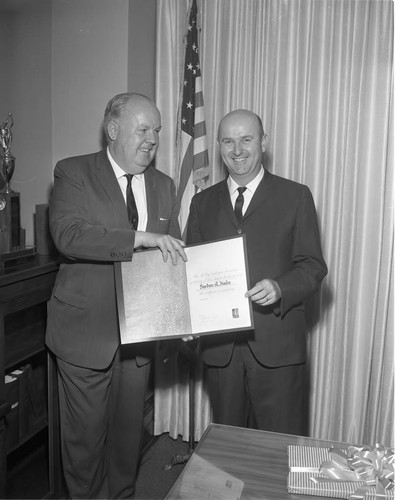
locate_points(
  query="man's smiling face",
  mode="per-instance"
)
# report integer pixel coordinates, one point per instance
(135, 136)
(242, 142)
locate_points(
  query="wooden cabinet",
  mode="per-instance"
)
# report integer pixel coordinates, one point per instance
(24, 291)
(25, 288)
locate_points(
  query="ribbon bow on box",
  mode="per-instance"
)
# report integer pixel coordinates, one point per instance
(372, 465)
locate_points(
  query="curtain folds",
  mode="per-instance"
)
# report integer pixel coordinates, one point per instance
(320, 74)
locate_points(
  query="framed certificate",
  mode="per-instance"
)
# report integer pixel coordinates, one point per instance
(160, 300)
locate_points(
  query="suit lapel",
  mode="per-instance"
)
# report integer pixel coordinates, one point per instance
(106, 177)
(152, 196)
(261, 194)
(226, 201)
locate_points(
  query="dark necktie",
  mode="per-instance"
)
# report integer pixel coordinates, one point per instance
(239, 203)
(131, 203)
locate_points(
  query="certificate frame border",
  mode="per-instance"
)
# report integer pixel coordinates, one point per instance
(121, 303)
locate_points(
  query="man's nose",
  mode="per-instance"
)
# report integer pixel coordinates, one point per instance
(236, 148)
(151, 137)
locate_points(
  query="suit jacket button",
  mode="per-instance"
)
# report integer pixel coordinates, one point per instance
(239, 231)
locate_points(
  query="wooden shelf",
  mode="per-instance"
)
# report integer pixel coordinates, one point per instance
(24, 344)
(26, 464)
(39, 426)
(24, 291)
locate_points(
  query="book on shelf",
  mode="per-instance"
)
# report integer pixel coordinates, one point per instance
(12, 418)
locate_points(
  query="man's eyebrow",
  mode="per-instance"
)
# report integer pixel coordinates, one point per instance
(248, 136)
(145, 125)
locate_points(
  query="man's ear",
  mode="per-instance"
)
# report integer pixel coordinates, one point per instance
(263, 142)
(112, 130)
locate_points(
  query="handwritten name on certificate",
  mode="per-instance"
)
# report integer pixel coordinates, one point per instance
(157, 300)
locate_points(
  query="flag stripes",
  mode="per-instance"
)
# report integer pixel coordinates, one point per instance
(193, 170)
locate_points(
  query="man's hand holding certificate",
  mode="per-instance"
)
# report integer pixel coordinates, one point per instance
(205, 295)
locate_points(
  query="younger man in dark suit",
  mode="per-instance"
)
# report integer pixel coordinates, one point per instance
(256, 378)
(102, 384)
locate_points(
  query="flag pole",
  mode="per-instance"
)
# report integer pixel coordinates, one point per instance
(192, 175)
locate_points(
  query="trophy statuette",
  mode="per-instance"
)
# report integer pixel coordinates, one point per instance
(11, 233)
(7, 160)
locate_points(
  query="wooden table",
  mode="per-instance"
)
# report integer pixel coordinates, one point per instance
(257, 462)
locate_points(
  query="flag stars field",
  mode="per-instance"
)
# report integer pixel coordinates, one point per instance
(193, 165)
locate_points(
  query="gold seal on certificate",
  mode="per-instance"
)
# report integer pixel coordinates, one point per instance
(157, 300)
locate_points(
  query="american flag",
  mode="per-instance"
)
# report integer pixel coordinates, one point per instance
(193, 173)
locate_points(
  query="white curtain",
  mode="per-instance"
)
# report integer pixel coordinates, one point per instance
(320, 74)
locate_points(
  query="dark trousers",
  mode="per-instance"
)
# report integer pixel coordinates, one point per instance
(101, 418)
(245, 393)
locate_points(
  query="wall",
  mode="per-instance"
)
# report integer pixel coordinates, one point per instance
(89, 66)
(142, 50)
(25, 63)
(62, 60)
(6, 59)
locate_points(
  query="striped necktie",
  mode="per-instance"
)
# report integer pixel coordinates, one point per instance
(131, 203)
(239, 204)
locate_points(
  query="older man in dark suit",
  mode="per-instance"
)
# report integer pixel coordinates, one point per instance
(257, 378)
(104, 206)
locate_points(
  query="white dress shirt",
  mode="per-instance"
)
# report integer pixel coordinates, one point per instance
(248, 193)
(138, 188)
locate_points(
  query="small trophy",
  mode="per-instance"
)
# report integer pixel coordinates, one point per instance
(7, 160)
(11, 233)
